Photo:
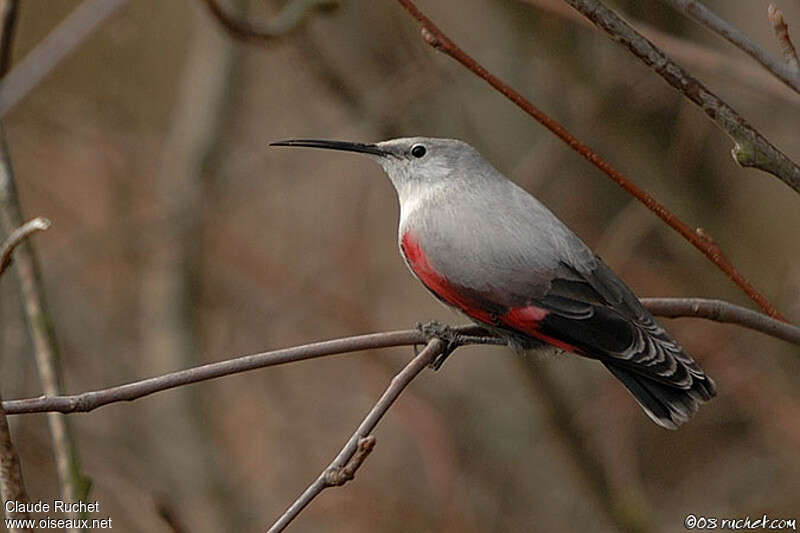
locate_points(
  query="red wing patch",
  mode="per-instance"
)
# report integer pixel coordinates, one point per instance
(437, 283)
(526, 320)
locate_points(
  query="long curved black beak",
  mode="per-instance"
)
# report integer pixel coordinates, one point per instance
(371, 149)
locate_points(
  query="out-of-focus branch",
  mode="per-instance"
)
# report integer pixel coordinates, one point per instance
(784, 41)
(720, 311)
(74, 486)
(293, 15)
(750, 148)
(436, 38)
(8, 24)
(16, 238)
(689, 53)
(58, 44)
(88, 401)
(361, 437)
(12, 486)
(701, 14)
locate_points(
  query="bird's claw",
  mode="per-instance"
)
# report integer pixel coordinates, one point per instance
(448, 335)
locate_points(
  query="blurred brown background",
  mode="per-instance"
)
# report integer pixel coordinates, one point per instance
(180, 238)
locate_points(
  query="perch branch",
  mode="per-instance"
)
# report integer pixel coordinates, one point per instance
(17, 236)
(781, 30)
(436, 38)
(720, 311)
(293, 15)
(361, 435)
(701, 14)
(750, 148)
(58, 44)
(88, 401)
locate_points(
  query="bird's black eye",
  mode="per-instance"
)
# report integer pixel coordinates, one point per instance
(418, 150)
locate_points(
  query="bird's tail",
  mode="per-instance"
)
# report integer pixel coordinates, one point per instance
(667, 405)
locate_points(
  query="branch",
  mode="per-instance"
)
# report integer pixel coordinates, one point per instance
(88, 401)
(8, 24)
(361, 435)
(292, 16)
(751, 76)
(436, 38)
(781, 30)
(58, 44)
(701, 14)
(16, 238)
(74, 485)
(720, 311)
(750, 148)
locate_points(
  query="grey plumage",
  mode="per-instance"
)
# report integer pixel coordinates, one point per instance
(484, 245)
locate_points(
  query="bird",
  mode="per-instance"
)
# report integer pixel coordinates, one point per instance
(483, 245)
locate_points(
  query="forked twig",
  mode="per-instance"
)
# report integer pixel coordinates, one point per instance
(361, 437)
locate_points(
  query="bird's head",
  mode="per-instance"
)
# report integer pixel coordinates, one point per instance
(410, 162)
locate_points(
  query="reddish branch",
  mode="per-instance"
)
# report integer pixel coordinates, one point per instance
(436, 38)
(782, 35)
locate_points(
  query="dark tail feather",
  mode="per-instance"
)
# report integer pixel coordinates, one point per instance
(668, 406)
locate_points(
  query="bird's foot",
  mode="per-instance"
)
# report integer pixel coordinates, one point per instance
(447, 334)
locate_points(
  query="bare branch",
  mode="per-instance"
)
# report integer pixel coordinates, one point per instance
(693, 54)
(58, 44)
(88, 401)
(750, 148)
(701, 14)
(436, 38)
(361, 435)
(470, 334)
(8, 24)
(293, 14)
(12, 486)
(720, 311)
(784, 41)
(336, 477)
(74, 485)
(16, 238)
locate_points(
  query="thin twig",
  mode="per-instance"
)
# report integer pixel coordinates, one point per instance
(398, 384)
(12, 484)
(88, 401)
(750, 148)
(293, 15)
(700, 13)
(74, 485)
(8, 24)
(720, 311)
(16, 238)
(751, 76)
(781, 30)
(58, 44)
(436, 38)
